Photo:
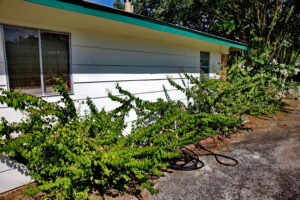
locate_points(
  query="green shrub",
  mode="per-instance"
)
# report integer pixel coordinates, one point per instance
(70, 154)
(30, 191)
(240, 94)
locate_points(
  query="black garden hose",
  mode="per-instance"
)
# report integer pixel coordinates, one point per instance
(191, 159)
(217, 156)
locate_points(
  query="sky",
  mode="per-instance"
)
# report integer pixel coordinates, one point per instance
(104, 2)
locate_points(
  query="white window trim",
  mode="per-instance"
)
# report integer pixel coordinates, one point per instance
(4, 57)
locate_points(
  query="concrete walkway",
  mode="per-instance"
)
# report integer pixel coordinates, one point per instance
(269, 165)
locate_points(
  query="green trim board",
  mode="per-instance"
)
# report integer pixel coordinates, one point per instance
(138, 21)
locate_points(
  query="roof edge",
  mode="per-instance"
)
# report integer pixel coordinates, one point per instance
(97, 10)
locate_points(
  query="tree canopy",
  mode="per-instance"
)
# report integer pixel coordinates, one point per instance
(118, 4)
(272, 24)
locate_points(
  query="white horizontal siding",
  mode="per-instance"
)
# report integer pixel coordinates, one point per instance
(4, 167)
(121, 77)
(99, 56)
(12, 174)
(102, 72)
(13, 179)
(101, 88)
(10, 114)
(128, 43)
(140, 66)
(12, 165)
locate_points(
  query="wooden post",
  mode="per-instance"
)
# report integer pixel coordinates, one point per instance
(224, 64)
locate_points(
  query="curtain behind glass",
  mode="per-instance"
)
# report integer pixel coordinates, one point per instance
(55, 51)
(22, 54)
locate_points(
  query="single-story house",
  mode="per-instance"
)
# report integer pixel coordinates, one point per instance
(92, 47)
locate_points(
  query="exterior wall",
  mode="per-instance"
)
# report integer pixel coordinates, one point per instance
(100, 58)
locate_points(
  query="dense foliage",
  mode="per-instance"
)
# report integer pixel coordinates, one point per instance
(71, 154)
(259, 23)
(119, 5)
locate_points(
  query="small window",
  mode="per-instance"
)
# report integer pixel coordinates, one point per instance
(204, 61)
(34, 58)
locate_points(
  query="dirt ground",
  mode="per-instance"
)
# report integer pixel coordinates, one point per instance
(268, 153)
(14, 195)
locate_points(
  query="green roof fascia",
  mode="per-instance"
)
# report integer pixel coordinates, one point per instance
(137, 22)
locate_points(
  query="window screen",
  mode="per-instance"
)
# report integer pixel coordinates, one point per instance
(22, 56)
(204, 61)
(35, 58)
(55, 51)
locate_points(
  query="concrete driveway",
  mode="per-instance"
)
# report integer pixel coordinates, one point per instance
(269, 165)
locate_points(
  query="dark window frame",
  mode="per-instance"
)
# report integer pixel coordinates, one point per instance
(202, 68)
(43, 93)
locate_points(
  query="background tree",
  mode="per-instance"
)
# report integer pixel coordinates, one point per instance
(270, 26)
(118, 4)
